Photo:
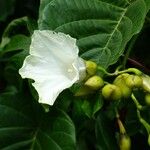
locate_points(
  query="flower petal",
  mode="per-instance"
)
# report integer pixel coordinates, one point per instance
(49, 90)
(49, 79)
(79, 64)
(38, 69)
(47, 44)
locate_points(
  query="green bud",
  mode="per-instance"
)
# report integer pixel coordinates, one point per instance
(84, 90)
(134, 81)
(147, 99)
(146, 83)
(120, 82)
(149, 139)
(91, 67)
(111, 92)
(125, 142)
(95, 82)
(122, 77)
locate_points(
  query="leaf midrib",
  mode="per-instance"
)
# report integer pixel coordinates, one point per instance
(113, 32)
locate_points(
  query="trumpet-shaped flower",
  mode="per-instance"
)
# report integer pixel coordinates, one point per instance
(53, 64)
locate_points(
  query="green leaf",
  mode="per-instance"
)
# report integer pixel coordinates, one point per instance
(19, 22)
(43, 3)
(14, 58)
(11, 70)
(92, 105)
(105, 133)
(24, 125)
(14, 28)
(17, 42)
(6, 8)
(102, 27)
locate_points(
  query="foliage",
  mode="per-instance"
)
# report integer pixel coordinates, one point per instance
(107, 31)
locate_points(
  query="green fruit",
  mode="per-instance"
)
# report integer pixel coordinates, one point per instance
(147, 99)
(134, 81)
(120, 82)
(111, 92)
(91, 67)
(95, 82)
(125, 142)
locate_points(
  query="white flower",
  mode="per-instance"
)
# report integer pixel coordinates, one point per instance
(53, 64)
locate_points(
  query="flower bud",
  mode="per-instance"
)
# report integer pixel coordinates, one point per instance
(134, 81)
(149, 139)
(125, 142)
(111, 92)
(91, 67)
(95, 82)
(147, 99)
(120, 82)
(122, 77)
(84, 90)
(146, 83)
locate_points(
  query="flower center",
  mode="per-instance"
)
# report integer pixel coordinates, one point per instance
(70, 70)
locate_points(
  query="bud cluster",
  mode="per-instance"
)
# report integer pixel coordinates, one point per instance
(122, 86)
(92, 81)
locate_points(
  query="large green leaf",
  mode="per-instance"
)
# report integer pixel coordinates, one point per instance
(24, 125)
(102, 27)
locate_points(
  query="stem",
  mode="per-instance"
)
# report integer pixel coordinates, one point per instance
(133, 40)
(143, 122)
(117, 72)
(138, 105)
(120, 124)
(117, 114)
(103, 70)
(121, 127)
